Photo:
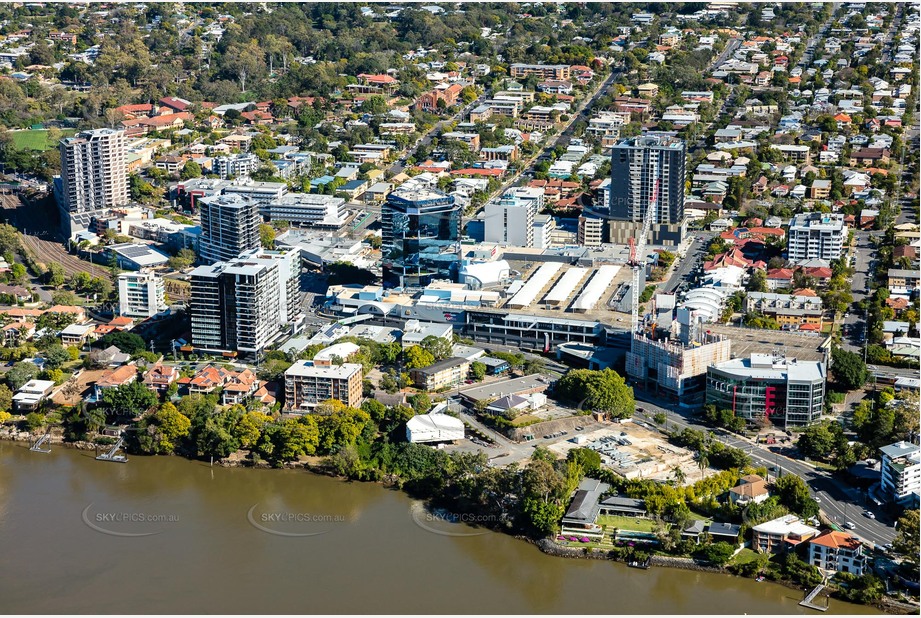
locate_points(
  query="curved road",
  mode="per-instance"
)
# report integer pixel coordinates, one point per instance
(839, 502)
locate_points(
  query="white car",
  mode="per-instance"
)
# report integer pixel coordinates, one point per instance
(850, 525)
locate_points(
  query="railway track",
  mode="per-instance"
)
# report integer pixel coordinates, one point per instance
(45, 251)
(50, 252)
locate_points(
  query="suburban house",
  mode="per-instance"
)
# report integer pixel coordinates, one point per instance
(238, 387)
(838, 552)
(751, 489)
(77, 334)
(120, 376)
(31, 394)
(724, 532)
(159, 377)
(584, 509)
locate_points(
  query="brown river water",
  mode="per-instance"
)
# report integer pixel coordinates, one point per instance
(167, 535)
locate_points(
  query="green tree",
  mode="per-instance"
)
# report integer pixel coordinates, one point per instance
(55, 356)
(421, 403)
(906, 541)
(598, 390)
(341, 428)
(439, 347)
(478, 371)
(191, 169)
(418, 357)
(793, 493)
(267, 236)
(166, 428)
(129, 343)
(6, 398)
(249, 428)
(849, 369)
(34, 420)
(589, 460)
(718, 553)
(128, 399)
(289, 439)
(21, 373)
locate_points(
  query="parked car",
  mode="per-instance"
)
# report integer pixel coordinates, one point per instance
(850, 525)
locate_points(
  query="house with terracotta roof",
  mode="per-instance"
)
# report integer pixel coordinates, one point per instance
(897, 304)
(136, 110)
(122, 322)
(752, 489)
(837, 552)
(168, 121)
(18, 314)
(733, 257)
(207, 380)
(104, 329)
(236, 387)
(16, 332)
(78, 312)
(175, 103)
(842, 119)
(374, 84)
(266, 394)
(239, 387)
(120, 376)
(159, 377)
(428, 101)
(257, 117)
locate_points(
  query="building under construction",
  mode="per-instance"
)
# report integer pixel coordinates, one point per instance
(675, 366)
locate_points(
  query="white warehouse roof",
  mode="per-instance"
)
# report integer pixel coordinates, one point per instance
(535, 284)
(596, 287)
(434, 428)
(566, 284)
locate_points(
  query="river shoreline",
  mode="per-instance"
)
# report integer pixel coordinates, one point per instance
(545, 545)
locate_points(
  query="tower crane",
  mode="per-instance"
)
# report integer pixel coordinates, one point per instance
(638, 254)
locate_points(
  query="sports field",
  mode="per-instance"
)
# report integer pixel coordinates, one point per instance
(34, 139)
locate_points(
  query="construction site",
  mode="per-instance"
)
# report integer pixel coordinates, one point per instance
(634, 451)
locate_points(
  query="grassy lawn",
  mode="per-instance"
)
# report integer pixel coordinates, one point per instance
(626, 523)
(821, 465)
(744, 557)
(34, 139)
(701, 516)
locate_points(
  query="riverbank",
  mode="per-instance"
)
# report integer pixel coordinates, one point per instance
(315, 466)
(214, 553)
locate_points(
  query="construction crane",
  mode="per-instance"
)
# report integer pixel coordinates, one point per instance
(638, 254)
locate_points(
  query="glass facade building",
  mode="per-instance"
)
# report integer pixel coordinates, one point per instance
(421, 238)
(787, 392)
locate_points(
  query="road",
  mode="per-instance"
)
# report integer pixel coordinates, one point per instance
(839, 503)
(426, 139)
(689, 263)
(564, 137)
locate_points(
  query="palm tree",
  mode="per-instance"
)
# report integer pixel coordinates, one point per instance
(702, 461)
(678, 476)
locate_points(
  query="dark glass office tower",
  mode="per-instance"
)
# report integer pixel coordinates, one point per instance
(421, 237)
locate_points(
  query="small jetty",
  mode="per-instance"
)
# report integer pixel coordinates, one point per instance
(112, 453)
(808, 601)
(38, 447)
